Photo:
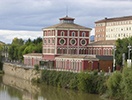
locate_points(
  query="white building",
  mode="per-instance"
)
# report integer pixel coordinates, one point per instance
(113, 28)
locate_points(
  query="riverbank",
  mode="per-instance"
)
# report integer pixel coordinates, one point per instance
(89, 82)
(117, 86)
(15, 88)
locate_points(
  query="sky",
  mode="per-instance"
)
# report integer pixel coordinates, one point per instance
(26, 18)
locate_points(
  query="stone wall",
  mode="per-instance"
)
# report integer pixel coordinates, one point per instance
(20, 72)
(20, 84)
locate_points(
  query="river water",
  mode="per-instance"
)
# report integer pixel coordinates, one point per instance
(12, 88)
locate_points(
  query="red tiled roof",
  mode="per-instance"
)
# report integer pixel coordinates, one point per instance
(68, 25)
(106, 42)
(33, 54)
(87, 57)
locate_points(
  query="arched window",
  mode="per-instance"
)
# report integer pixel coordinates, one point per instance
(48, 40)
(62, 33)
(104, 51)
(45, 41)
(53, 40)
(58, 50)
(83, 34)
(73, 34)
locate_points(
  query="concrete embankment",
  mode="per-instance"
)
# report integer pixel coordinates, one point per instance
(20, 72)
(20, 84)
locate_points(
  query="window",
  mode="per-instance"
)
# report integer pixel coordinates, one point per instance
(45, 41)
(73, 34)
(53, 41)
(83, 42)
(62, 41)
(48, 40)
(58, 50)
(45, 33)
(53, 33)
(72, 41)
(83, 34)
(62, 33)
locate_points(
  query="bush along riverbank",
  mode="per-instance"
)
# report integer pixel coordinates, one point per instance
(117, 86)
(1, 68)
(89, 82)
(120, 85)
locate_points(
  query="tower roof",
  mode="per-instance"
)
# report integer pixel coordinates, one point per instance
(67, 22)
(67, 18)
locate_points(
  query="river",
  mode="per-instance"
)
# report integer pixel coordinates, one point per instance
(12, 88)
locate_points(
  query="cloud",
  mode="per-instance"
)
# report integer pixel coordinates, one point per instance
(8, 35)
(33, 15)
(36, 14)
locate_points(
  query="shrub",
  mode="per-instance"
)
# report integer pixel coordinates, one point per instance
(92, 82)
(114, 85)
(1, 65)
(74, 82)
(101, 84)
(84, 81)
(127, 83)
(58, 78)
(36, 67)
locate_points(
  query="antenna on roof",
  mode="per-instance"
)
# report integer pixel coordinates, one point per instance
(66, 11)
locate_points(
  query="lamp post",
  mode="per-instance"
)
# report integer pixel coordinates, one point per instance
(129, 59)
(114, 49)
(129, 49)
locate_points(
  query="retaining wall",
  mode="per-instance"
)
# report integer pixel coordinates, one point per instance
(20, 72)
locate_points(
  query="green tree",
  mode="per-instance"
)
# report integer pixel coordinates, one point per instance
(20, 52)
(122, 47)
(18, 41)
(127, 83)
(29, 49)
(14, 49)
(114, 85)
(18, 47)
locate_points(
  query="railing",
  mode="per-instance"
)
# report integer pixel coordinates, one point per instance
(18, 64)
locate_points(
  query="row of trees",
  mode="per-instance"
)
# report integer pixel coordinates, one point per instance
(19, 47)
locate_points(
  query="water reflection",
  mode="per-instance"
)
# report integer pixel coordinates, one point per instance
(12, 88)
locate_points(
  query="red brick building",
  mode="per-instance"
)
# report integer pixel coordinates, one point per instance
(102, 48)
(65, 38)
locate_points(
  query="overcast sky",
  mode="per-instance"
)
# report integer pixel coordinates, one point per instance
(26, 18)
